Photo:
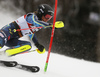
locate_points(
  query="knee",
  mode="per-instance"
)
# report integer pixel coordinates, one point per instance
(26, 43)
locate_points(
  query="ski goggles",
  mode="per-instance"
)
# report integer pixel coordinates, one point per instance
(48, 17)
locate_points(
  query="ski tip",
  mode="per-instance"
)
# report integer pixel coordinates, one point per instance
(9, 63)
(35, 69)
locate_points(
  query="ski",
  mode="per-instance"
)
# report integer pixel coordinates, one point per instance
(8, 63)
(28, 68)
(19, 66)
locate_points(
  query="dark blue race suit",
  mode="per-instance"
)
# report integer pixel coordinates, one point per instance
(11, 39)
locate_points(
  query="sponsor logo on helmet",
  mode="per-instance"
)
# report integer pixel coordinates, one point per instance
(50, 11)
(41, 10)
(43, 6)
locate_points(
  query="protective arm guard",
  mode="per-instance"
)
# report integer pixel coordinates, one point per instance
(58, 24)
(33, 38)
(40, 51)
(41, 48)
(17, 50)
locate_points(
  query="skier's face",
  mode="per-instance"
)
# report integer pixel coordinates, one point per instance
(46, 18)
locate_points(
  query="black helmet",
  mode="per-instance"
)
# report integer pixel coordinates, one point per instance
(44, 9)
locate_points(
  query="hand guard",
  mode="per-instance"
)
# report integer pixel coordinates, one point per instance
(59, 24)
(40, 49)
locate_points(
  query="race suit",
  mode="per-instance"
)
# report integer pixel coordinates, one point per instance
(11, 39)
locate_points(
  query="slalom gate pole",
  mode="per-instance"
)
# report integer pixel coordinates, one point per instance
(52, 34)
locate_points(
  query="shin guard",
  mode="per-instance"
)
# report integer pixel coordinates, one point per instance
(18, 50)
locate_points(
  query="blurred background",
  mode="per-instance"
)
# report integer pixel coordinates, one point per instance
(80, 38)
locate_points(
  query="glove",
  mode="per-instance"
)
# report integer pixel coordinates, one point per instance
(40, 49)
(59, 24)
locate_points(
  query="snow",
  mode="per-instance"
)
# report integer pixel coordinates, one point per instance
(59, 65)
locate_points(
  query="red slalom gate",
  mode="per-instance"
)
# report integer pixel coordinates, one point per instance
(52, 34)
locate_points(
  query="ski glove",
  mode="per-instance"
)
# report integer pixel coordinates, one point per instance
(58, 24)
(40, 49)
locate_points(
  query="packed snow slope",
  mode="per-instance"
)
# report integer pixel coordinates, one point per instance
(59, 65)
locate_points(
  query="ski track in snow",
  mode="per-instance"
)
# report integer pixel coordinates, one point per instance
(59, 65)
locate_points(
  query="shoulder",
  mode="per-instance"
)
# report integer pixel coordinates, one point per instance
(30, 14)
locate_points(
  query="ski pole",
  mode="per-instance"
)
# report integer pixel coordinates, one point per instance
(58, 24)
(30, 51)
(52, 34)
(26, 29)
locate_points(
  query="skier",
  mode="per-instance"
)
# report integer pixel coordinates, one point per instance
(10, 38)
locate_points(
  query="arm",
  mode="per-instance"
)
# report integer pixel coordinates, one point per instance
(39, 23)
(58, 24)
(33, 38)
(32, 18)
(41, 48)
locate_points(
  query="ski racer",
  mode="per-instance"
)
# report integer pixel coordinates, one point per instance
(10, 38)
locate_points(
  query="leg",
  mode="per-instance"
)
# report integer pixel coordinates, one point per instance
(17, 46)
(3, 39)
(15, 42)
(6, 34)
